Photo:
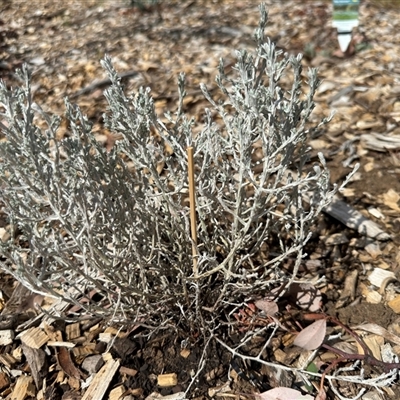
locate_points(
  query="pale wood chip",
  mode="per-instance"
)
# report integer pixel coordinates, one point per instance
(73, 331)
(100, 383)
(23, 388)
(6, 337)
(34, 337)
(117, 393)
(166, 380)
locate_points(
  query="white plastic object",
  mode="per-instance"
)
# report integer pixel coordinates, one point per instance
(345, 18)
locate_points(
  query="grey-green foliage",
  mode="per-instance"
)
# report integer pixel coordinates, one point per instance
(84, 220)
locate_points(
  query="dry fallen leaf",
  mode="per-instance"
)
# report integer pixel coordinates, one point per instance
(313, 336)
(66, 364)
(282, 393)
(269, 307)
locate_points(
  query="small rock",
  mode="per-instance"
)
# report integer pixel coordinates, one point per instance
(93, 363)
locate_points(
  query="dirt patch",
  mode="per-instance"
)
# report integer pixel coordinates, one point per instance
(367, 313)
(165, 354)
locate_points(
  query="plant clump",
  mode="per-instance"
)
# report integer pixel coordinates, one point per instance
(110, 230)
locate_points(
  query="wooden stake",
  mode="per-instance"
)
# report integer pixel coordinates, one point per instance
(193, 221)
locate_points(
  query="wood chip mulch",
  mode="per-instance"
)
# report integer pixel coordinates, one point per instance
(62, 42)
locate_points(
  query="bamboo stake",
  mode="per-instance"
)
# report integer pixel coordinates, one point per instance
(193, 221)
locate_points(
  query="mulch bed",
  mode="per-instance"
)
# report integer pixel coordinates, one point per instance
(63, 43)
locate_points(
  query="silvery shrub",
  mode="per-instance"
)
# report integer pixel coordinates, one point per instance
(110, 230)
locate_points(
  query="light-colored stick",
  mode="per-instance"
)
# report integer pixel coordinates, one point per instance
(192, 198)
